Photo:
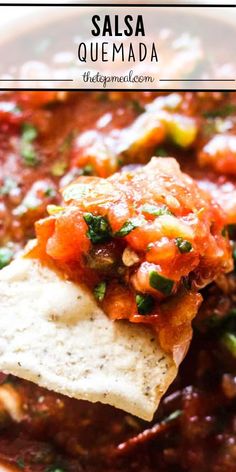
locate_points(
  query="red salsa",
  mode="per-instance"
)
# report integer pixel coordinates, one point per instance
(47, 141)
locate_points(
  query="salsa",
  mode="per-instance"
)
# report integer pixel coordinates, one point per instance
(139, 238)
(49, 139)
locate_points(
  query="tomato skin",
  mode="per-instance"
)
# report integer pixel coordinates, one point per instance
(69, 239)
(36, 99)
(119, 214)
(119, 302)
(44, 230)
(141, 237)
(174, 327)
(220, 154)
(10, 121)
(161, 251)
(102, 165)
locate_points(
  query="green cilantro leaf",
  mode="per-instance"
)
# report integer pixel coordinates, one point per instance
(145, 303)
(98, 228)
(127, 227)
(100, 291)
(183, 245)
(29, 134)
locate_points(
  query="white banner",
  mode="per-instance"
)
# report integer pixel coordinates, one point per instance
(117, 47)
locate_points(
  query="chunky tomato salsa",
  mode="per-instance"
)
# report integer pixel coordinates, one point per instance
(142, 249)
(138, 238)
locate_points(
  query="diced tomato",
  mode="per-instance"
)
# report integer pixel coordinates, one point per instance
(119, 302)
(141, 237)
(220, 153)
(174, 326)
(38, 98)
(67, 239)
(44, 231)
(162, 250)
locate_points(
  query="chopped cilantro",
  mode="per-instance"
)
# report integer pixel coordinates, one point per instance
(50, 192)
(145, 303)
(154, 210)
(55, 469)
(29, 155)
(120, 161)
(100, 291)
(229, 341)
(87, 170)
(173, 416)
(29, 134)
(160, 152)
(21, 463)
(66, 144)
(224, 232)
(102, 97)
(183, 245)
(5, 256)
(223, 111)
(127, 227)
(138, 108)
(98, 228)
(161, 283)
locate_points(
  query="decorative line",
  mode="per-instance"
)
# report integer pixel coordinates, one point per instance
(135, 5)
(196, 80)
(36, 80)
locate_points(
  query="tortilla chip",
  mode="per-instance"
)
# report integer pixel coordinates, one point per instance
(53, 333)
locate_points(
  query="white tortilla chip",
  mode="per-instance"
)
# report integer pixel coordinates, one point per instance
(53, 333)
